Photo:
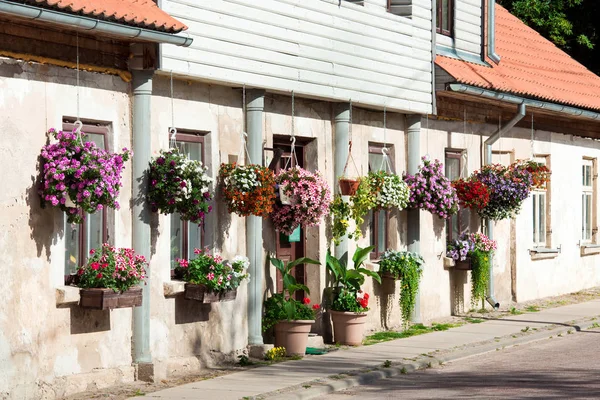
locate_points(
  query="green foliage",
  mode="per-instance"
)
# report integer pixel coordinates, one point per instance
(514, 311)
(347, 300)
(387, 364)
(360, 204)
(480, 261)
(532, 309)
(283, 306)
(340, 210)
(244, 361)
(414, 330)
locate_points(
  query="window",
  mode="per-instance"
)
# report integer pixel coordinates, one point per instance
(540, 213)
(378, 220)
(400, 7)
(81, 238)
(587, 201)
(186, 236)
(359, 2)
(453, 164)
(444, 16)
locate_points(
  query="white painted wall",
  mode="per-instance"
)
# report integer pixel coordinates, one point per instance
(316, 48)
(467, 36)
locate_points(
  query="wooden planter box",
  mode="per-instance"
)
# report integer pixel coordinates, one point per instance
(463, 265)
(201, 293)
(105, 299)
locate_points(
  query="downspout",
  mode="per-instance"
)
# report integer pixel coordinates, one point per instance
(142, 96)
(254, 225)
(413, 122)
(491, 32)
(90, 24)
(342, 131)
(433, 56)
(488, 222)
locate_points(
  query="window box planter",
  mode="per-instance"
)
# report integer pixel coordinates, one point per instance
(105, 299)
(387, 275)
(203, 294)
(463, 265)
(293, 336)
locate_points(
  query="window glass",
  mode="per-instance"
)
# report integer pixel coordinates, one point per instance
(378, 220)
(452, 165)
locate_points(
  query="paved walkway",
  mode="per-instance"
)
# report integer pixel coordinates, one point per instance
(263, 380)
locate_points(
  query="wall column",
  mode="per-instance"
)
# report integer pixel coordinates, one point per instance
(142, 95)
(413, 123)
(254, 225)
(342, 129)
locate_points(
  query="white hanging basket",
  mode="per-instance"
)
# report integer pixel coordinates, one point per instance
(284, 198)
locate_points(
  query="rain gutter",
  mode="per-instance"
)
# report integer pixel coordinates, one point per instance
(90, 24)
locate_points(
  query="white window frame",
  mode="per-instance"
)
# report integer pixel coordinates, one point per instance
(541, 226)
(587, 191)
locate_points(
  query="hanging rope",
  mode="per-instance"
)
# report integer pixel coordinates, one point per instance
(78, 123)
(293, 157)
(532, 137)
(243, 134)
(350, 145)
(172, 130)
(385, 160)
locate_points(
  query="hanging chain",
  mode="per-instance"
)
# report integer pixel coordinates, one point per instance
(350, 119)
(293, 160)
(244, 134)
(173, 130)
(532, 137)
(78, 122)
(385, 160)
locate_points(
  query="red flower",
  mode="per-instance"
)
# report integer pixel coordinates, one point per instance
(99, 276)
(80, 271)
(92, 251)
(316, 307)
(306, 300)
(104, 265)
(95, 266)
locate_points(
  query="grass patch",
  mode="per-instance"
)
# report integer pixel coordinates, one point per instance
(413, 330)
(473, 320)
(514, 311)
(532, 309)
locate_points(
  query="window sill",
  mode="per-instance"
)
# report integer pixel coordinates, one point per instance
(589, 249)
(543, 253)
(66, 295)
(173, 288)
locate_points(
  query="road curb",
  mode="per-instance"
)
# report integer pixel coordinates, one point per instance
(316, 388)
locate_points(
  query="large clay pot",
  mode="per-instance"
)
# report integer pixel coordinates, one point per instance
(293, 335)
(348, 327)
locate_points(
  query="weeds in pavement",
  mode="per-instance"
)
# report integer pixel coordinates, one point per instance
(514, 311)
(413, 330)
(525, 329)
(244, 361)
(473, 320)
(403, 370)
(532, 309)
(387, 364)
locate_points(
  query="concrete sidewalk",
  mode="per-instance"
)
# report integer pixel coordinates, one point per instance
(311, 377)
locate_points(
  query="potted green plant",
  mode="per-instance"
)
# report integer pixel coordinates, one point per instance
(405, 266)
(109, 277)
(350, 304)
(209, 278)
(290, 318)
(355, 208)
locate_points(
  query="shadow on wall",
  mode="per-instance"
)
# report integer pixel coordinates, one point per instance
(458, 280)
(439, 226)
(386, 298)
(222, 216)
(190, 311)
(88, 321)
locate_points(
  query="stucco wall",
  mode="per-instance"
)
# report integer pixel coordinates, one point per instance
(46, 350)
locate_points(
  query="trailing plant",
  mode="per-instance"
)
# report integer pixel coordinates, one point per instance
(480, 272)
(79, 177)
(340, 211)
(407, 267)
(431, 191)
(471, 193)
(113, 268)
(212, 271)
(248, 190)
(389, 189)
(179, 185)
(310, 199)
(282, 306)
(349, 280)
(509, 186)
(540, 173)
(360, 205)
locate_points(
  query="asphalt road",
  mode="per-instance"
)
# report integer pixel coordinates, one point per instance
(565, 367)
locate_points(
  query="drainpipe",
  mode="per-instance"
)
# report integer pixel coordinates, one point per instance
(433, 55)
(142, 95)
(413, 123)
(342, 129)
(491, 32)
(488, 222)
(91, 24)
(254, 227)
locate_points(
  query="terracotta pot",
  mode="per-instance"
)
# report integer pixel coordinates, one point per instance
(105, 299)
(348, 327)
(387, 275)
(293, 335)
(348, 187)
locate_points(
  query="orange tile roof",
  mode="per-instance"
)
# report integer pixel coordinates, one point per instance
(530, 66)
(140, 13)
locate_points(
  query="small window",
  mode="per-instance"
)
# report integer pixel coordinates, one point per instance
(81, 238)
(587, 200)
(445, 16)
(454, 166)
(400, 7)
(540, 213)
(378, 220)
(359, 2)
(185, 235)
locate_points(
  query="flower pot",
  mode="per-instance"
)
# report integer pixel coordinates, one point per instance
(293, 335)
(104, 299)
(348, 327)
(203, 294)
(283, 197)
(348, 187)
(464, 265)
(387, 275)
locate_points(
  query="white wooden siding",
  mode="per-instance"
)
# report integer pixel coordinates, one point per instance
(314, 47)
(467, 28)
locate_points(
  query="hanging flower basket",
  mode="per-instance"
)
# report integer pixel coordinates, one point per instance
(472, 193)
(310, 196)
(389, 189)
(348, 186)
(79, 177)
(509, 187)
(248, 190)
(177, 184)
(540, 173)
(284, 198)
(431, 191)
